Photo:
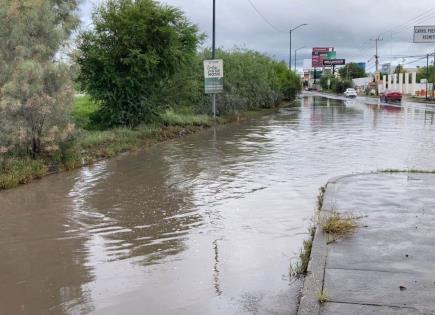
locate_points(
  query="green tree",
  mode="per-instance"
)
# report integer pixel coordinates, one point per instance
(399, 69)
(134, 49)
(351, 71)
(324, 82)
(34, 87)
(422, 73)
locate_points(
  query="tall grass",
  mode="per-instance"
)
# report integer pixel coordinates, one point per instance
(17, 171)
(82, 110)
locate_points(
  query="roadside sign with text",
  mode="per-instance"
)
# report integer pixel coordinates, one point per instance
(331, 55)
(424, 34)
(318, 55)
(214, 76)
(334, 62)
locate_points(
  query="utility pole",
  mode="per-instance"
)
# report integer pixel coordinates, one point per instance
(213, 52)
(376, 40)
(433, 78)
(290, 55)
(427, 73)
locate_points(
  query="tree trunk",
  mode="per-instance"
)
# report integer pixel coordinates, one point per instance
(36, 146)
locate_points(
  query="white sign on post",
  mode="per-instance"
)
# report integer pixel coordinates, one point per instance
(214, 76)
(424, 34)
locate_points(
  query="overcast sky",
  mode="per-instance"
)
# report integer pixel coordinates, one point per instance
(346, 25)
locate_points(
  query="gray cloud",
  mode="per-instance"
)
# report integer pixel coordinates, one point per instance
(345, 25)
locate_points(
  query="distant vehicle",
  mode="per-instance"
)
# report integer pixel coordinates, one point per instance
(350, 92)
(391, 96)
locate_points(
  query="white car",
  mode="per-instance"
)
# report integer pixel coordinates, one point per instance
(350, 93)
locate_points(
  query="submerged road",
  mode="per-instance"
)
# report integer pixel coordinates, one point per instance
(206, 224)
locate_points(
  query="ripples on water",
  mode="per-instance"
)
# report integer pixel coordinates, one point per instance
(202, 225)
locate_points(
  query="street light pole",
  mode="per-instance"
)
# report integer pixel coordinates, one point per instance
(213, 50)
(296, 51)
(290, 55)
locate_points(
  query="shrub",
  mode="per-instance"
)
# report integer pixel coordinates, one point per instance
(134, 48)
(35, 90)
(251, 80)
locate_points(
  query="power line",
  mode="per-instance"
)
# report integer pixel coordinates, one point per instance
(414, 61)
(406, 24)
(264, 18)
(411, 25)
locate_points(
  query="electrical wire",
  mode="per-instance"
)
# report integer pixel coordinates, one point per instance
(264, 18)
(417, 19)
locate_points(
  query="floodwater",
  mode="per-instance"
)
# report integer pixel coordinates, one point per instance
(206, 224)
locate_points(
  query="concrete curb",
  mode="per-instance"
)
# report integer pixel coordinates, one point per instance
(313, 283)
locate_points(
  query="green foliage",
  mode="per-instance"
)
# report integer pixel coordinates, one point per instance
(16, 171)
(133, 51)
(351, 71)
(399, 69)
(172, 118)
(34, 89)
(332, 82)
(422, 73)
(83, 108)
(336, 85)
(252, 80)
(341, 86)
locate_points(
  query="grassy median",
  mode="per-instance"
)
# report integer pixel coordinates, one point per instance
(90, 144)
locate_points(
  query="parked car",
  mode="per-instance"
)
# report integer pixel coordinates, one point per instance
(391, 96)
(350, 92)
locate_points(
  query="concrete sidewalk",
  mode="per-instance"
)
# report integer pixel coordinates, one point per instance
(388, 265)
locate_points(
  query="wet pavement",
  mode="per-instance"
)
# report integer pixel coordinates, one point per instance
(206, 224)
(387, 265)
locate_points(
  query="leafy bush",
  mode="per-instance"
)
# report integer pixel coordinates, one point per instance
(134, 48)
(251, 80)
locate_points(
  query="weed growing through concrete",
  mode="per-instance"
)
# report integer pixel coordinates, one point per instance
(300, 267)
(410, 170)
(322, 296)
(337, 225)
(320, 198)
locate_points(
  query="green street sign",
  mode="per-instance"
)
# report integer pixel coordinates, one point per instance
(331, 55)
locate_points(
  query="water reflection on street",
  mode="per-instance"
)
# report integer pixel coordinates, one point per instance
(206, 224)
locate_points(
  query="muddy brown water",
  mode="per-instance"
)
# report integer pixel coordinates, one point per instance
(207, 224)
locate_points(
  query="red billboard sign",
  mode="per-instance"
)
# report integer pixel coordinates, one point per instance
(318, 55)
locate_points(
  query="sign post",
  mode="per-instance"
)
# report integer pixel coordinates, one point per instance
(214, 79)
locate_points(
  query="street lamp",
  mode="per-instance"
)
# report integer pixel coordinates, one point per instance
(290, 58)
(296, 51)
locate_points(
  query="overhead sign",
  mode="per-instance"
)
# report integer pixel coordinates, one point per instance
(331, 55)
(334, 62)
(318, 55)
(424, 34)
(214, 76)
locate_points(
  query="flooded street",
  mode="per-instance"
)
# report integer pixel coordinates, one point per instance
(206, 224)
